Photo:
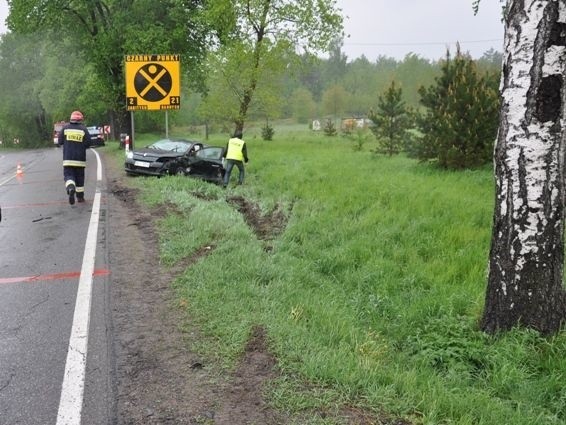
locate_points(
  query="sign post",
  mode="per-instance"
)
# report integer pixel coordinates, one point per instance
(153, 83)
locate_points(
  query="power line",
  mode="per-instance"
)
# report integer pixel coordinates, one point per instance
(427, 43)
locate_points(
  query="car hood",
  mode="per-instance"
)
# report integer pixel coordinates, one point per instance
(148, 154)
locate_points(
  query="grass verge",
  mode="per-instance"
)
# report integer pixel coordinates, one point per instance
(372, 292)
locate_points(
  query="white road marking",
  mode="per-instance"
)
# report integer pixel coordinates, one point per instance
(3, 182)
(72, 392)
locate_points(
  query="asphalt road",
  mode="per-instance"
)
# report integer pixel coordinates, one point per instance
(43, 247)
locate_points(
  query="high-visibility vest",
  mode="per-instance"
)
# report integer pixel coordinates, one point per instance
(235, 147)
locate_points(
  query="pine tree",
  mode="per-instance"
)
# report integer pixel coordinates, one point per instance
(460, 124)
(391, 120)
(330, 128)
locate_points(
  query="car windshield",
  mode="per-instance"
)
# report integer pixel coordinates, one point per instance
(171, 145)
(93, 130)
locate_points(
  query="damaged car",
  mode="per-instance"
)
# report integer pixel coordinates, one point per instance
(161, 158)
(207, 164)
(177, 157)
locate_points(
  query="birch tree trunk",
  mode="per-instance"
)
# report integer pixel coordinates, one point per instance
(527, 245)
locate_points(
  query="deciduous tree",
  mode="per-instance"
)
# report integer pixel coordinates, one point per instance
(525, 283)
(106, 30)
(22, 115)
(259, 37)
(334, 100)
(303, 105)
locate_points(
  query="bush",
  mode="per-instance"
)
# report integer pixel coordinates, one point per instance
(267, 132)
(360, 138)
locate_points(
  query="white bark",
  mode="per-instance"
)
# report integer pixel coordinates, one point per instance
(527, 242)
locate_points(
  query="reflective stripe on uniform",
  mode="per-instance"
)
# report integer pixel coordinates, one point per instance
(78, 189)
(73, 163)
(74, 135)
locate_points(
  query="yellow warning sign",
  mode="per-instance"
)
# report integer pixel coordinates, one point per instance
(153, 82)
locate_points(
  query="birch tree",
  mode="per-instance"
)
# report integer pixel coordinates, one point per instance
(527, 247)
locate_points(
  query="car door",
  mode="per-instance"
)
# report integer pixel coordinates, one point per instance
(207, 163)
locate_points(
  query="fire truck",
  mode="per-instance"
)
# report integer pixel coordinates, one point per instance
(57, 127)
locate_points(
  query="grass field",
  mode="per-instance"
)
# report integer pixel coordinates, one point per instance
(371, 295)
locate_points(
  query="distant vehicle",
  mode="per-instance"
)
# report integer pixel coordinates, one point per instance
(96, 136)
(164, 157)
(57, 127)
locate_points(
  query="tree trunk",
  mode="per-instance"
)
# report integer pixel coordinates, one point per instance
(527, 245)
(260, 30)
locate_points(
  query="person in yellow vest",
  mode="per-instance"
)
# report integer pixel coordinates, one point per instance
(236, 153)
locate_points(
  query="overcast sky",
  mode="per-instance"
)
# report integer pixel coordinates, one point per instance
(425, 27)
(398, 27)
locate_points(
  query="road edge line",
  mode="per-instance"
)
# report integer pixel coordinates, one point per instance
(72, 391)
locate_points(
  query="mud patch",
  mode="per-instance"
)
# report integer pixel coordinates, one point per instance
(123, 193)
(244, 396)
(265, 226)
(204, 196)
(196, 256)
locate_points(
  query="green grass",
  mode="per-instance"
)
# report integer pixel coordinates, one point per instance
(373, 292)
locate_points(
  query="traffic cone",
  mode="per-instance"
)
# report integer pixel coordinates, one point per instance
(19, 170)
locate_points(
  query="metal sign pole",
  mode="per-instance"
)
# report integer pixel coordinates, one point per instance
(133, 130)
(166, 124)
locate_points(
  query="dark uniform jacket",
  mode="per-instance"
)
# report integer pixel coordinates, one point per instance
(75, 139)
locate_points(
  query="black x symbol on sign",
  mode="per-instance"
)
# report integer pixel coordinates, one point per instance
(153, 82)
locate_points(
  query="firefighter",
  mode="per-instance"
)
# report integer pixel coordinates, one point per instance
(75, 139)
(236, 153)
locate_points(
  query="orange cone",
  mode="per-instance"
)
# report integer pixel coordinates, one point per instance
(19, 170)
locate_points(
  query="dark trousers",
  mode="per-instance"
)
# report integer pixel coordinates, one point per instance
(76, 176)
(229, 165)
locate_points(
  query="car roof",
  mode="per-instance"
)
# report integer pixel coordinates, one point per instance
(175, 140)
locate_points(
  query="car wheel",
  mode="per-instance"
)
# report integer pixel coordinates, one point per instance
(176, 170)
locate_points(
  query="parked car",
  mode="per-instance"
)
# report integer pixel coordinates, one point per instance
(166, 156)
(96, 136)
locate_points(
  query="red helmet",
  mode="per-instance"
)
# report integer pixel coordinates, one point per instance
(76, 116)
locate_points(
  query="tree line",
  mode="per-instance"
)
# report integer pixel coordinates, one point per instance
(57, 59)
(83, 44)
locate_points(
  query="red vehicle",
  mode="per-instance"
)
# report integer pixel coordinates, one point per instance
(56, 129)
